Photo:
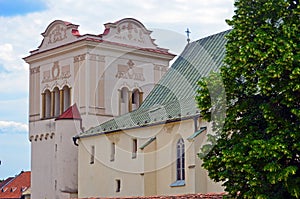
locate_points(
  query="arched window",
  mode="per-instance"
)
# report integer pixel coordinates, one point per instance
(47, 104)
(135, 99)
(124, 100)
(67, 97)
(180, 161)
(56, 101)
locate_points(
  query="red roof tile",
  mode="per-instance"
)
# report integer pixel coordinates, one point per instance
(199, 195)
(5, 182)
(71, 113)
(14, 188)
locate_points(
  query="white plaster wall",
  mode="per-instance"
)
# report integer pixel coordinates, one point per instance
(42, 163)
(67, 155)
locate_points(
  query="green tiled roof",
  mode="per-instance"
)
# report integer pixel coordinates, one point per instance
(173, 97)
(190, 138)
(147, 143)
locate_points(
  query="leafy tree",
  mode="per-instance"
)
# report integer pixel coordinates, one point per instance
(257, 153)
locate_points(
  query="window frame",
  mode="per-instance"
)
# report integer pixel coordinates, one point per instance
(134, 148)
(179, 164)
(92, 158)
(112, 151)
(180, 160)
(118, 185)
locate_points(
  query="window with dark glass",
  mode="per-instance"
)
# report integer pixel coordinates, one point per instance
(47, 104)
(180, 161)
(113, 152)
(134, 148)
(56, 102)
(92, 161)
(118, 185)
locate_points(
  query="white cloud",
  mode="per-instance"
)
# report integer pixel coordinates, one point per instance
(6, 52)
(13, 127)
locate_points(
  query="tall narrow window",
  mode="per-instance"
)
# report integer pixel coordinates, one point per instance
(135, 99)
(56, 101)
(92, 161)
(118, 185)
(124, 100)
(47, 104)
(55, 185)
(113, 152)
(180, 162)
(134, 148)
(67, 97)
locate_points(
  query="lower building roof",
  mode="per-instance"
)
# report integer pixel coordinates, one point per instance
(14, 188)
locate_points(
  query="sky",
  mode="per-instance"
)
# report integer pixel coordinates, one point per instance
(23, 21)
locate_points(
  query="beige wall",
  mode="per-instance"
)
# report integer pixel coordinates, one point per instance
(154, 169)
(90, 68)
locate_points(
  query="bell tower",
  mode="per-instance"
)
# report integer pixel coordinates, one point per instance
(77, 82)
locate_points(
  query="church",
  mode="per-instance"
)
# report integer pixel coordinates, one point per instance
(108, 116)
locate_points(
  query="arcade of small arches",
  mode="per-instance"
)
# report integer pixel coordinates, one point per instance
(55, 102)
(129, 100)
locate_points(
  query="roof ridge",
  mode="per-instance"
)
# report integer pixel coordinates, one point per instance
(208, 36)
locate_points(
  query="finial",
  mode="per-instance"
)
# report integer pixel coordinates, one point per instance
(188, 35)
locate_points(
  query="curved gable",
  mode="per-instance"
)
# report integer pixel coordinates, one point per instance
(129, 31)
(58, 33)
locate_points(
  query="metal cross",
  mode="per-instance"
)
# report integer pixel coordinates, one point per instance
(188, 35)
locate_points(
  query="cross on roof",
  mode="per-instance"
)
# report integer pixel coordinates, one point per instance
(188, 34)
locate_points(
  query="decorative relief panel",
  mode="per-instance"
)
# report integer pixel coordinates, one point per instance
(46, 76)
(79, 58)
(160, 68)
(65, 71)
(59, 33)
(130, 71)
(34, 70)
(131, 32)
(56, 73)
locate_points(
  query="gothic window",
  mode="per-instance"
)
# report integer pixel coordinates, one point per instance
(47, 104)
(56, 103)
(180, 161)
